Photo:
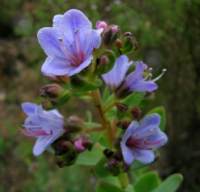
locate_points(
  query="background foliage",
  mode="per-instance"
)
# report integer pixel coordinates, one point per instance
(168, 33)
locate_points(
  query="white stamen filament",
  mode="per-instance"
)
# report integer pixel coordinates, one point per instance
(159, 76)
(149, 76)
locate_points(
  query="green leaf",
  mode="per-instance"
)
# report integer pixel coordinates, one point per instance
(133, 99)
(90, 158)
(111, 180)
(161, 111)
(63, 98)
(130, 188)
(81, 85)
(147, 182)
(171, 184)
(100, 168)
(107, 187)
(96, 136)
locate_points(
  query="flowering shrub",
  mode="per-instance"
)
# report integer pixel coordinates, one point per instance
(92, 65)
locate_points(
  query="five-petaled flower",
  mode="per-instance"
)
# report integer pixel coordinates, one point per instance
(135, 81)
(46, 126)
(69, 44)
(141, 138)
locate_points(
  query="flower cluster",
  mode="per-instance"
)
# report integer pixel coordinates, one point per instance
(82, 61)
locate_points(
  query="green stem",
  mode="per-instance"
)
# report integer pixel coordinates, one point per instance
(105, 123)
(124, 180)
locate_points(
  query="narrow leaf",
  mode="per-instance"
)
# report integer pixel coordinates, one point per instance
(171, 184)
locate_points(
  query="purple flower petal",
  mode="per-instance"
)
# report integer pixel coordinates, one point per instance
(49, 41)
(144, 156)
(154, 141)
(57, 21)
(89, 40)
(127, 154)
(29, 108)
(137, 74)
(143, 86)
(42, 143)
(75, 70)
(73, 21)
(55, 66)
(126, 151)
(150, 120)
(117, 74)
(148, 126)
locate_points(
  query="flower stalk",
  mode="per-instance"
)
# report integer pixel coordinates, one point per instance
(124, 180)
(105, 123)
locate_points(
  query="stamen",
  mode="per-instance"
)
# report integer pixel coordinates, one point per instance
(149, 76)
(159, 76)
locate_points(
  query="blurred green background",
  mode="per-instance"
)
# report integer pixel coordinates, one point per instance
(168, 32)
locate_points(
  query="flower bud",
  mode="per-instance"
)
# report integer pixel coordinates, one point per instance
(130, 42)
(82, 143)
(74, 123)
(115, 28)
(101, 25)
(51, 90)
(108, 153)
(128, 34)
(66, 159)
(113, 166)
(110, 34)
(136, 112)
(103, 60)
(121, 107)
(62, 146)
(118, 156)
(118, 43)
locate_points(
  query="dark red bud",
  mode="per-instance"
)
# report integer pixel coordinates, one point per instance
(121, 107)
(128, 34)
(51, 90)
(74, 123)
(136, 112)
(118, 156)
(108, 153)
(62, 147)
(118, 43)
(110, 34)
(103, 60)
(113, 166)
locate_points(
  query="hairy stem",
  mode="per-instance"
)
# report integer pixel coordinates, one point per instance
(94, 130)
(105, 123)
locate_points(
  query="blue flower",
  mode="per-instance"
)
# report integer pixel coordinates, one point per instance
(141, 138)
(69, 44)
(46, 126)
(135, 81)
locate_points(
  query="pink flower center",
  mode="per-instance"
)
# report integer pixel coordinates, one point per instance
(75, 55)
(132, 142)
(36, 132)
